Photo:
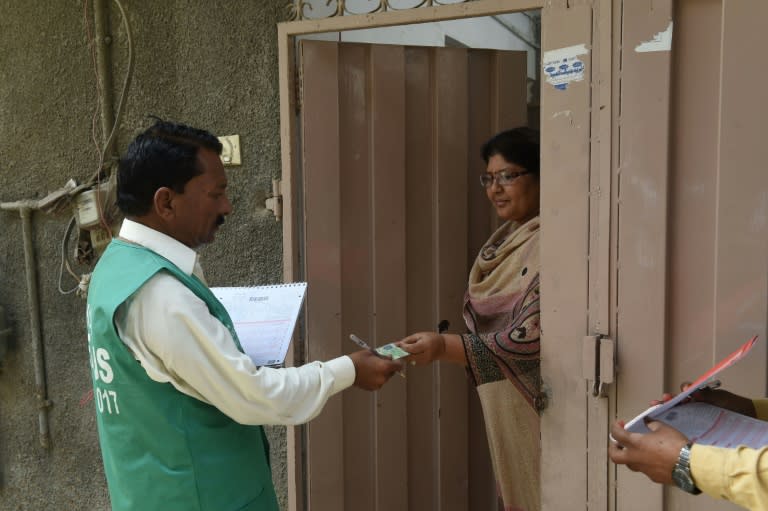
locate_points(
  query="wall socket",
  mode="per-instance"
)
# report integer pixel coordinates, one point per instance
(230, 151)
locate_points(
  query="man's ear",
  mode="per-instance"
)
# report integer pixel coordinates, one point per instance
(163, 203)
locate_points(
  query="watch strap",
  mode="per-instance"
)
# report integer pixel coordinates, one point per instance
(683, 467)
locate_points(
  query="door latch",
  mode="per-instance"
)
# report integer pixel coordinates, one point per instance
(598, 363)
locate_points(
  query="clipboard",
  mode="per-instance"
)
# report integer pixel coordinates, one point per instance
(264, 318)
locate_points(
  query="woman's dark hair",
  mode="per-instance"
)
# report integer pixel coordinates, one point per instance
(518, 145)
(165, 155)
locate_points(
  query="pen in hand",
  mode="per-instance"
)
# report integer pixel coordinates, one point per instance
(365, 346)
(362, 344)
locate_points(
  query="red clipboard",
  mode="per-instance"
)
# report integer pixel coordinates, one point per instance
(637, 424)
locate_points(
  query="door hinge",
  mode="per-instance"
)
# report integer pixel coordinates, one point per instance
(298, 89)
(275, 202)
(598, 363)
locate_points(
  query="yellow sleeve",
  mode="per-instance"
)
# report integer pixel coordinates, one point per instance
(761, 408)
(737, 475)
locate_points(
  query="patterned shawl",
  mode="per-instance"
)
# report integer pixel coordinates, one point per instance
(501, 310)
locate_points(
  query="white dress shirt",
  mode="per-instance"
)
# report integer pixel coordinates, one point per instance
(171, 333)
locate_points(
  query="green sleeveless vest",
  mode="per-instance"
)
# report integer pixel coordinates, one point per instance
(164, 450)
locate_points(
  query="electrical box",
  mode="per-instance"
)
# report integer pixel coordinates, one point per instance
(100, 238)
(91, 206)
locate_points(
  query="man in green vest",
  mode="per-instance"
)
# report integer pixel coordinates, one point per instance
(179, 405)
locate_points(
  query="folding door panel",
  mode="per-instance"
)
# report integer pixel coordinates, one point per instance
(718, 201)
(390, 150)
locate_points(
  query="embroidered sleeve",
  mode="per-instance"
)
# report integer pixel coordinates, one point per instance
(511, 353)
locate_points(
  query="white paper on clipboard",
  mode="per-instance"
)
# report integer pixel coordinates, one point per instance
(696, 420)
(264, 318)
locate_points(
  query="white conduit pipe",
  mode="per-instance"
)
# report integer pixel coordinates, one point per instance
(104, 74)
(25, 209)
(41, 391)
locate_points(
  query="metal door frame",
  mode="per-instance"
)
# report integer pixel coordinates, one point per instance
(579, 148)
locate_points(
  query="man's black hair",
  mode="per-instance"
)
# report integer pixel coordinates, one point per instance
(518, 145)
(165, 155)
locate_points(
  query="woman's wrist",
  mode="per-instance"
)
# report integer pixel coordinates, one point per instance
(452, 349)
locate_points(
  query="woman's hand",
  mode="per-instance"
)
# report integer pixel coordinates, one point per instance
(424, 347)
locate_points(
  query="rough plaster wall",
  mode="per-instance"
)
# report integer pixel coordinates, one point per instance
(210, 64)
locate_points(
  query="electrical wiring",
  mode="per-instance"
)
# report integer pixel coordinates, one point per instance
(99, 95)
(99, 99)
(126, 84)
(118, 115)
(65, 262)
(96, 179)
(102, 151)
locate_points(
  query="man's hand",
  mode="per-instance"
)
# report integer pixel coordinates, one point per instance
(727, 400)
(654, 454)
(716, 397)
(371, 370)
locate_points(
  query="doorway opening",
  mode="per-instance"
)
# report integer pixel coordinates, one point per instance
(383, 157)
(514, 31)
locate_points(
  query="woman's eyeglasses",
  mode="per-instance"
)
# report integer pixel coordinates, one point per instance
(503, 177)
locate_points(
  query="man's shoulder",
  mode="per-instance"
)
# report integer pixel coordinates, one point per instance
(163, 289)
(125, 270)
(129, 261)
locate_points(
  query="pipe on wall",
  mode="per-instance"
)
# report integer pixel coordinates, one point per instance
(25, 208)
(103, 69)
(41, 391)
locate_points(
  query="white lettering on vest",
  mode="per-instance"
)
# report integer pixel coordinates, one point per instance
(105, 370)
(92, 362)
(107, 400)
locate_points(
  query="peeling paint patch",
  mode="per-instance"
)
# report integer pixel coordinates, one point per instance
(660, 42)
(561, 113)
(563, 65)
(568, 114)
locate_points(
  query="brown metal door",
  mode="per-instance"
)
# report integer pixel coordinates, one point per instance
(392, 218)
(655, 224)
(693, 239)
(641, 216)
(569, 478)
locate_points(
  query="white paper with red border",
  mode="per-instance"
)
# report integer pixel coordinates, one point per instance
(704, 423)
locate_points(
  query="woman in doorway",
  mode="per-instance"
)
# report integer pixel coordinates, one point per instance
(501, 312)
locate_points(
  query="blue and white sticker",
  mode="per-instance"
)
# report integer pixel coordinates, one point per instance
(564, 65)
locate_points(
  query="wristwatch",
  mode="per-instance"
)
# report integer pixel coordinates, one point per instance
(681, 474)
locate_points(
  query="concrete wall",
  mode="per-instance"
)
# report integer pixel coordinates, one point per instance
(209, 64)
